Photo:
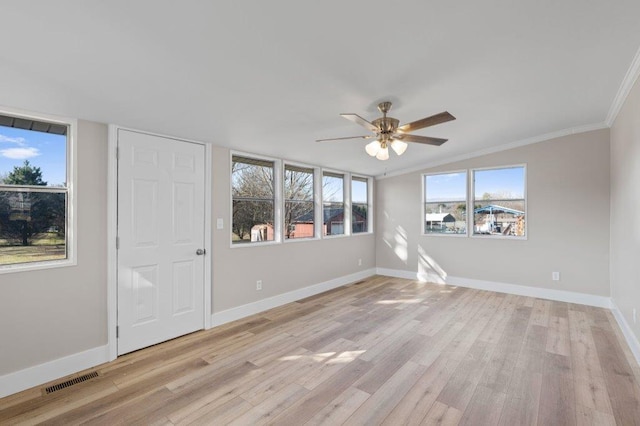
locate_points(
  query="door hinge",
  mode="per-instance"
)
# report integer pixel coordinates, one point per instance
(117, 331)
(117, 243)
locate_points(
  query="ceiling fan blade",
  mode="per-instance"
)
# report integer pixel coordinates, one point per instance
(420, 139)
(443, 117)
(348, 137)
(361, 121)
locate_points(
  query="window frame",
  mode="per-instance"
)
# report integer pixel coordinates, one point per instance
(369, 204)
(277, 199)
(346, 203)
(472, 189)
(71, 222)
(424, 202)
(316, 231)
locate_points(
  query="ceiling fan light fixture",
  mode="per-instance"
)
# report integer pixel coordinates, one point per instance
(373, 148)
(398, 146)
(383, 154)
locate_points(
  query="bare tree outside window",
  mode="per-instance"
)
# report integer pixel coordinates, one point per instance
(333, 203)
(359, 205)
(253, 200)
(299, 212)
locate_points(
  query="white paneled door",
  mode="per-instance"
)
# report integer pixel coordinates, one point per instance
(160, 239)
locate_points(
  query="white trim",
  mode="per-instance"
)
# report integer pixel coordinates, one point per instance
(623, 91)
(208, 232)
(631, 338)
(520, 290)
(499, 148)
(233, 314)
(112, 232)
(39, 374)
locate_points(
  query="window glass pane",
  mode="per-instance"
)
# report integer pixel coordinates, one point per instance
(499, 202)
(299, 206)
(359, 192)
(41, 158)
(446, 187)
(359, 215)
(446, 203)
(359, 205)
(32, 226)
(253, 200)
(333, 204)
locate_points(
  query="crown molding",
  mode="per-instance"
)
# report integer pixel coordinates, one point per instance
(499, 148)
(623, 91)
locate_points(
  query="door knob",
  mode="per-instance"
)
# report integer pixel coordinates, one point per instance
(200, 252)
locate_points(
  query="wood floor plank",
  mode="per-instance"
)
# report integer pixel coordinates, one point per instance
(378, 406)
(416, 403)
(314, 401)
(557, 401)
(381, 351)
(340, 409)
(485, 407)
(441, 414)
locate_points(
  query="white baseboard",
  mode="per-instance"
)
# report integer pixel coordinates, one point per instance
(520, 290)
(632, 340)
(37, 375)
(228, 315)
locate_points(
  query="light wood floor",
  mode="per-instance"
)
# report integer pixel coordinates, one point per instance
(384, 351)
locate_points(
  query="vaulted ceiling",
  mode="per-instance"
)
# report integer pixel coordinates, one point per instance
(270, 77)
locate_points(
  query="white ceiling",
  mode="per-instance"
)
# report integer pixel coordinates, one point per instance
(270, 77)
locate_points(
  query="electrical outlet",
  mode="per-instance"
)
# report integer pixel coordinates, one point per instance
(555, 276)
(634, 316)
(259, 285)
(359, 262)
(220, 223)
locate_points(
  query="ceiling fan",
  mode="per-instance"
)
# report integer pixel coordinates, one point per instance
(389, 134)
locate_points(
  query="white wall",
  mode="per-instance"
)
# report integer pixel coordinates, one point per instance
(568, 217)
(49, 314)
(625, 209)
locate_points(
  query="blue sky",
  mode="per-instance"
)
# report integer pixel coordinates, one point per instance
(452, 186)
(43, 150)
(447, 187)
(500, 181)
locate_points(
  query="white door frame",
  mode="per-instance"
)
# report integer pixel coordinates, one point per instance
(112, 216)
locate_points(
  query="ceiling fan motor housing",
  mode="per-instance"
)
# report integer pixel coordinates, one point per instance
(386, 125)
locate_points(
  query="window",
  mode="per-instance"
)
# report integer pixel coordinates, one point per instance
(299, 211)
(359, 204)
(253, 200)
(445, 203)
(333, 203)
(35, 223)
(499, 204)
(275, 201)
